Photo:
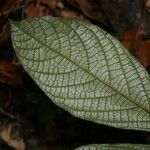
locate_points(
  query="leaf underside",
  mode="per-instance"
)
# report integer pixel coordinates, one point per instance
(115, 147)
(84, 70)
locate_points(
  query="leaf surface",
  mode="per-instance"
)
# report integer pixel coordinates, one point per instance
(115, 147)
(84, 70)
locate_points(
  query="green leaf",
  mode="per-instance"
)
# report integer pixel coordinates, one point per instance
(84, 70)
(115, 147)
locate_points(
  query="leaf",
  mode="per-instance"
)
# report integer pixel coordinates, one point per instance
(84, 70)
(115, 147)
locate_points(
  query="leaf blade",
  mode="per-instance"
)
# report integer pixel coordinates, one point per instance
(115, 147)
(85, 71)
